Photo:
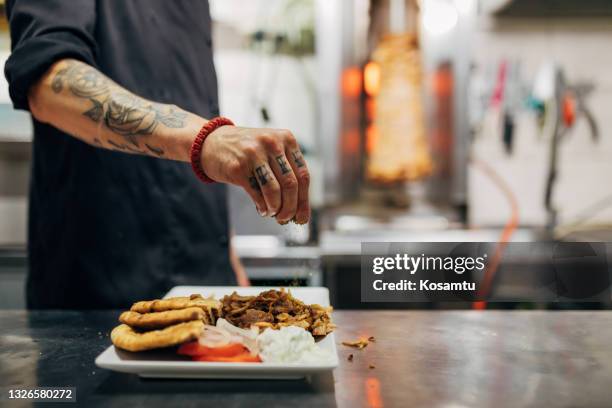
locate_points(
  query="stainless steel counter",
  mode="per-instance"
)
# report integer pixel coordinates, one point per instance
(422, 359)
(478, 359)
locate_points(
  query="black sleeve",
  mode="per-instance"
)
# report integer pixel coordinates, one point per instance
(43, 32)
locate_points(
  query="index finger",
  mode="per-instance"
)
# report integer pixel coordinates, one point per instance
(300, 169)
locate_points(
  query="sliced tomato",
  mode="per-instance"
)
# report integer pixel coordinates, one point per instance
(194, 348)
(190, 349)
(245, 357)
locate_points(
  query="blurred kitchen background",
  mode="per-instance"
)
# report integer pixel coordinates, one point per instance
(431, 120)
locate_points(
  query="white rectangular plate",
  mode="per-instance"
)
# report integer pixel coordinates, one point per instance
(167, 364)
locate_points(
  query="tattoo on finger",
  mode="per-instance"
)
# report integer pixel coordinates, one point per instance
(283, 164)
(298, 158)
(254, 184)
(262, 175)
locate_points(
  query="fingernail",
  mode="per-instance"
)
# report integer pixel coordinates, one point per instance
(261, 212)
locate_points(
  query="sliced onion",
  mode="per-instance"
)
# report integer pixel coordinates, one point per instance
(226, 333)
(237, 331)
(248, 338)
(214, 337)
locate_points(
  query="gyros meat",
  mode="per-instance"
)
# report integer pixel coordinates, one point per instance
(159, 320)
(125, 337)
(276, 309)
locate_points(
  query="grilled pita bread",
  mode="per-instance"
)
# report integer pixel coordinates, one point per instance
(211, 306)
(126, 338)
(159, 320)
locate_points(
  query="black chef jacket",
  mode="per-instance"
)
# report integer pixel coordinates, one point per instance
(107, 228)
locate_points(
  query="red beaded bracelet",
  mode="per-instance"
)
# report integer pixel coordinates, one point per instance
(196, 147)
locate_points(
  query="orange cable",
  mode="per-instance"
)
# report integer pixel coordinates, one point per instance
(505, 236)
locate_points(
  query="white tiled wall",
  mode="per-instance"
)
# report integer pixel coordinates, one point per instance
(584, 48)
(249, 77)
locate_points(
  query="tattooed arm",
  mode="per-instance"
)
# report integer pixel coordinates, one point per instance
(83, 102)
(267, 163)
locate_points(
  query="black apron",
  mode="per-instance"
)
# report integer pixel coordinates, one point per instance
(107, 228)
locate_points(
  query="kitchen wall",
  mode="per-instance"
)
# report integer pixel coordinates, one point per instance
(582, 47)
(249, 79)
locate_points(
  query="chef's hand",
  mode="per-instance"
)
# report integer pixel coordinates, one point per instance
(267, 163)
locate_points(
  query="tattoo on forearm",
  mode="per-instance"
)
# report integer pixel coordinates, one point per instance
(124, 147)
(283, 164)
(122, 112)
(262, 175)
(155, 150)
(254, 184)
(298, 158)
